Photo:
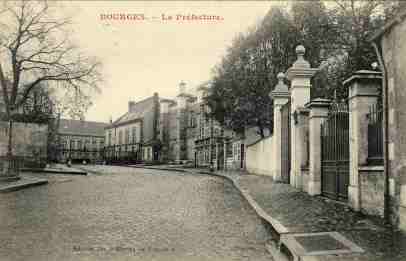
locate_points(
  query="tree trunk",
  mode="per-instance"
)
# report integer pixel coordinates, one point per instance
(10, 138)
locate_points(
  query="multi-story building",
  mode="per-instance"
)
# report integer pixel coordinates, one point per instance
(209, 135)
(177, 126)
(167, 121)
(80, 141)
(173, 130)
(212, 144)
(134, 136)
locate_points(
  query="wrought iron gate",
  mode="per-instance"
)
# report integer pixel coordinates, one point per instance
(285, 142)
(335, 148)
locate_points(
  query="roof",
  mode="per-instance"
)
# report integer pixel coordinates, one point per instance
(137, 111)
(84, 128)
(165, 100)
(399, 17)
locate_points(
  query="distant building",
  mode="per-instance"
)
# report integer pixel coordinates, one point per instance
(209, 146)
(80, 141)
(168, 122)
(134, 136)
(175, 130)
(204, 140)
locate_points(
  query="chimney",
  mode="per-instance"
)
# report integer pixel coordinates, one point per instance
(131, 104)
(182, 87)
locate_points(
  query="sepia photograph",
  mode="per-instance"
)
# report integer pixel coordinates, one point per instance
(199, 130)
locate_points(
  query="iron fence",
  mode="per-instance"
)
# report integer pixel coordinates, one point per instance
(375, 135)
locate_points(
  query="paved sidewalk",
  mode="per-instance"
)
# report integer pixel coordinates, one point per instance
(297, 212)
(26, 180)
(57, 169)
(292, 211)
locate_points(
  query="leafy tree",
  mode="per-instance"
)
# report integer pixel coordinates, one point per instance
(336, 42)
(353, 22)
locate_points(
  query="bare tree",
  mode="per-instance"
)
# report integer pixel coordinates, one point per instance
(35, 50)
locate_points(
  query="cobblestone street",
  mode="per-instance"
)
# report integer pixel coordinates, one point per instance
(119, 213)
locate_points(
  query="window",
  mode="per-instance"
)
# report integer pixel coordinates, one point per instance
(86, 145)
(109, 139)
(79, 145)
(216, 132)
(229, 149)
(134, 137)
(127, 136)
(64, 144)
(120, 137)
(72, 145)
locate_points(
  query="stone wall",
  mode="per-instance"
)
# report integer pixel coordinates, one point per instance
(394, 51)
(258, 157)
(29, 139)
(372, 190)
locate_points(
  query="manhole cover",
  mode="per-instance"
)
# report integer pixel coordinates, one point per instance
(320, 243)
(323, 243)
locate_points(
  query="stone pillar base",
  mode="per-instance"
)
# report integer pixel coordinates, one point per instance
(314, 188)
(296, 179)
(353, 198)
(277, 175)
(402, 218)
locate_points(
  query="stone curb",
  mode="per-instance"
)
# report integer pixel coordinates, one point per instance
(16, 187)
(156, 168)
(67, 172)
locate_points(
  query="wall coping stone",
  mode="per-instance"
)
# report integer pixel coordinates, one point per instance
(261, 139)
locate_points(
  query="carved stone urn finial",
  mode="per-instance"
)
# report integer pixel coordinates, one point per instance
(301, 62)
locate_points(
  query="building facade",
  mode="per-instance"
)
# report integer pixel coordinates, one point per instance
(134, 137)
(175, 130)
(80, 141)
(390, 43)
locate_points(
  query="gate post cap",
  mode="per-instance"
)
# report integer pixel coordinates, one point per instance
(301, 62)
(280, 77)
(318, 102)
(281, 89)
(364, 75)
(301, 67)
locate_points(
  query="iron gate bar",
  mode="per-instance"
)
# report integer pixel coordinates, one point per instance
(285, 142)
(335, 152)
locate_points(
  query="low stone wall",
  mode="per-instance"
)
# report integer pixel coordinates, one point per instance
(259, 157)
(372, 185)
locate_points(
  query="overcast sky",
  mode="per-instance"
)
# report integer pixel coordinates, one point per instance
(143, 57)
